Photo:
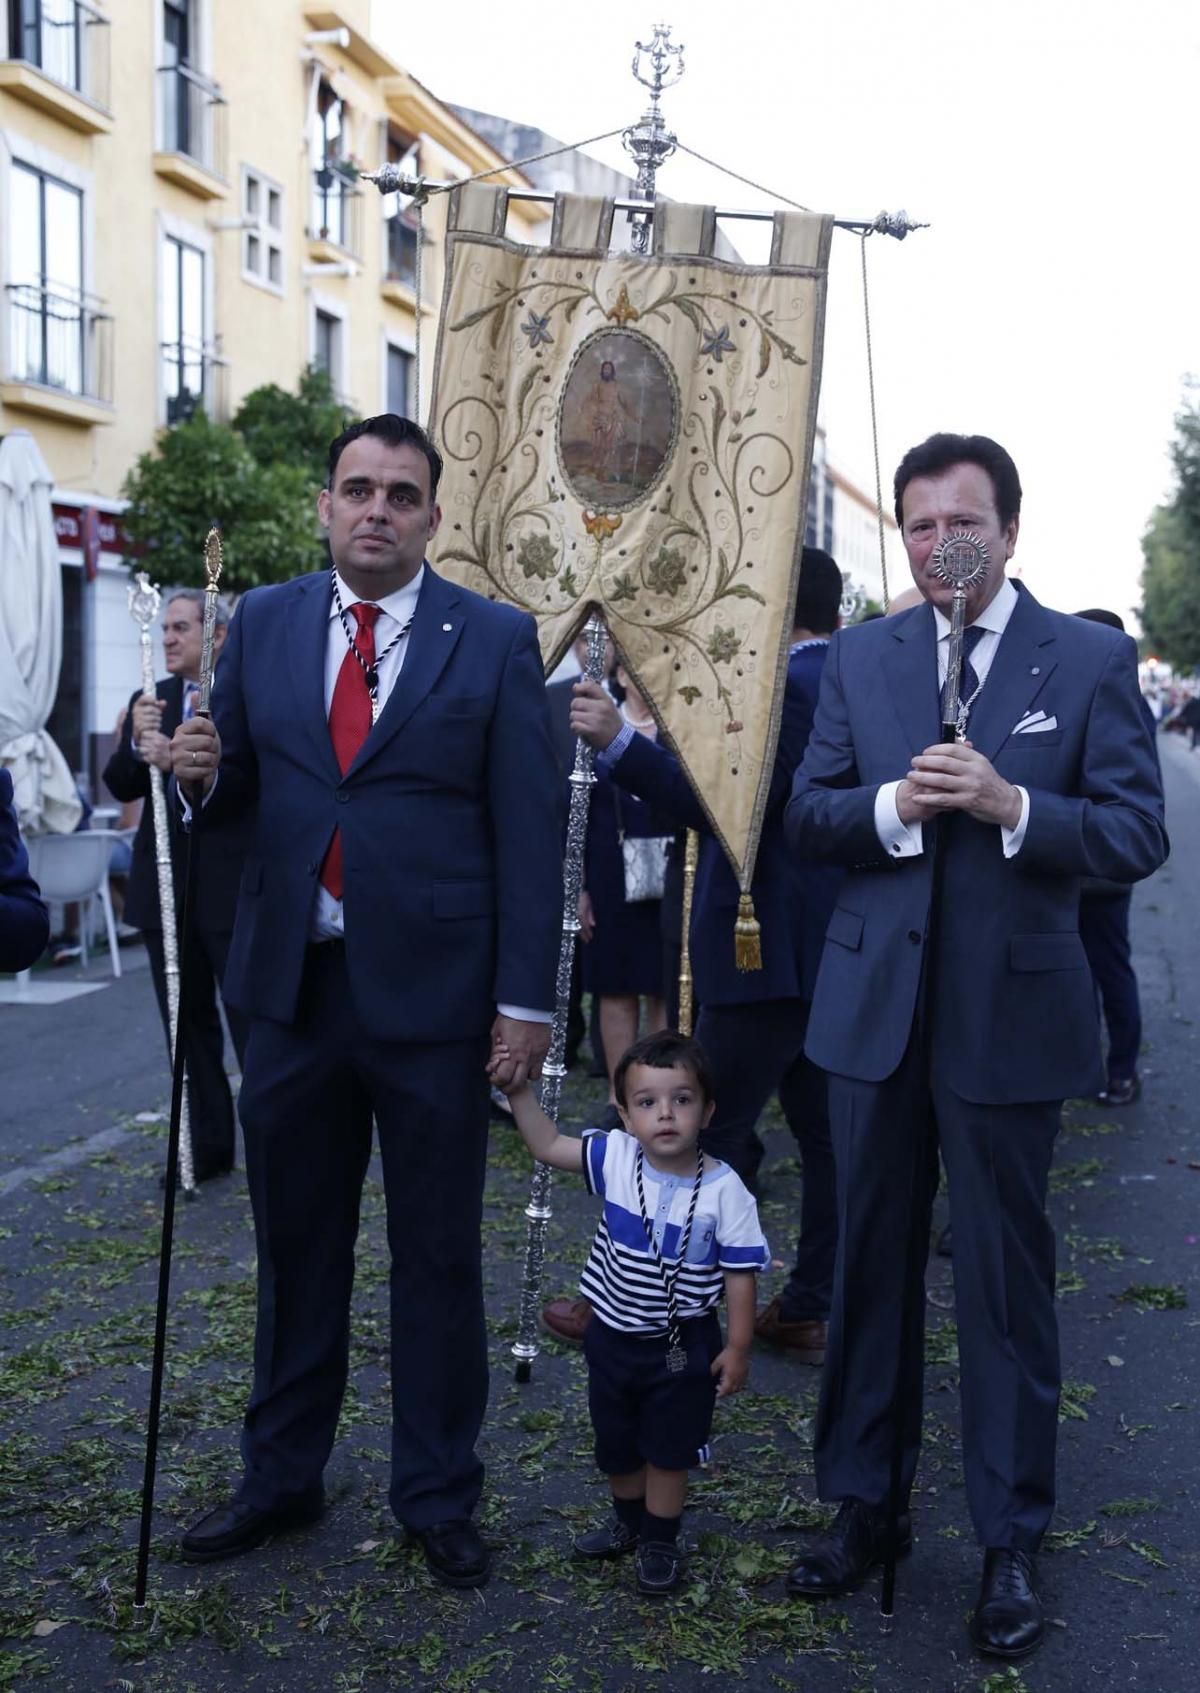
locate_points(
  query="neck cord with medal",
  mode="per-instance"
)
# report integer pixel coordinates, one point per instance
(676, 1355)
(370, 671)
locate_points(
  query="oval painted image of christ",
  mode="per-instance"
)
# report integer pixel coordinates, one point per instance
(616, 420)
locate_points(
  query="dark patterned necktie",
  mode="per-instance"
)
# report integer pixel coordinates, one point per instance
(969, 683)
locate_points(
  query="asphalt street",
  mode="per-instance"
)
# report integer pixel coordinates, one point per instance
(345, 1608)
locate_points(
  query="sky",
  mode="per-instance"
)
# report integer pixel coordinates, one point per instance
(1050, 144)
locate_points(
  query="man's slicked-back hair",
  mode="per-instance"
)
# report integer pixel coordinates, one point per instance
(397, 431)
(818, 593)
(665, 1051)
(941, 452)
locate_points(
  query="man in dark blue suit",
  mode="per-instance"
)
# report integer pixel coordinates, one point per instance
(24, 920)
(397, 908)
(973, 1050)
(752, 1022)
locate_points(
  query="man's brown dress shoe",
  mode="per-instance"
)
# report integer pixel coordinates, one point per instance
(1008, 1620)
(566, 1319)
(806, 1338)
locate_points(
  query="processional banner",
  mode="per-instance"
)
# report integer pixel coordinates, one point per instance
(634, 433)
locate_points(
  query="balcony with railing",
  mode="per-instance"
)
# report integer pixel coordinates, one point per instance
(59, 60)
(191, 132)
(193, 377)
(400, 259)
(58, 353)
(335, 213)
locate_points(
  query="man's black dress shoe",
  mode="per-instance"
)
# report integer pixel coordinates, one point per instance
(1008, 1621)
(454, 1552)
(1126, 1091)
(843, 1557)
(240, 1527)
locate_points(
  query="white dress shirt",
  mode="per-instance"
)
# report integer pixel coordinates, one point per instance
(904, 840)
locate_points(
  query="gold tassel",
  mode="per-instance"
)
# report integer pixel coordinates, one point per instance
(747, 936)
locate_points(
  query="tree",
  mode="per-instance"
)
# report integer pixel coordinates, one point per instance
(295, 429)
(1171, 549)
(257, 480)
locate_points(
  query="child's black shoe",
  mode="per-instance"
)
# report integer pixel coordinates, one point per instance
(659, 1567)
(611, 1540)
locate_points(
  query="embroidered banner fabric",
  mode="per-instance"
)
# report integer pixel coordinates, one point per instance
(635, 433)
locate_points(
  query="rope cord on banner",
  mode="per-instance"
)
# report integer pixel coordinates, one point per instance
(874, 426)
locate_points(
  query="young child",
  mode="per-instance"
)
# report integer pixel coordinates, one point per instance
(678, 1229)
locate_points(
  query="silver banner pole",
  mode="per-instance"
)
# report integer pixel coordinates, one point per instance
(526, 1346)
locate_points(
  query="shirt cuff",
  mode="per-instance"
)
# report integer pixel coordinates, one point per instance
(609, 755)
(185, 804)
(1011, 839)
(898, 840)
(523, 1014)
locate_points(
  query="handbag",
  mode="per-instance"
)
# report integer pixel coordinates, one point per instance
(644, 862)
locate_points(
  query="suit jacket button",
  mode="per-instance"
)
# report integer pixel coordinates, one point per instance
(312, 867)
(343, 796)
(914, 936)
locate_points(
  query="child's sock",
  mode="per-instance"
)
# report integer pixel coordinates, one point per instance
(663, 1531)
(630, 1513)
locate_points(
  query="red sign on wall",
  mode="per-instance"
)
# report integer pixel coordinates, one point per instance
(72, 522)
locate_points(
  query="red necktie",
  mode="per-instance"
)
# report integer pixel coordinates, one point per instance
(350, 722)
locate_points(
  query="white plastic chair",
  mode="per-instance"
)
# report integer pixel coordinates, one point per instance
(74, 868)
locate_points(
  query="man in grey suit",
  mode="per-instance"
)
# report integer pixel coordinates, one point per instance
(971, 1051)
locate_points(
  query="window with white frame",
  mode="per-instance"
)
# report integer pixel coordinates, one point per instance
(262, 240)
(327, 345)
(399, 380)
(186, 360)
(46, 327)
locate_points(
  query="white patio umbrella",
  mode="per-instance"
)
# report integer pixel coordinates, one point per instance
(31, 633)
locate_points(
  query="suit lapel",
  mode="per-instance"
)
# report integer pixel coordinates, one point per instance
(910, 666)
(308, 640)
(436, 628)
(1024, 662)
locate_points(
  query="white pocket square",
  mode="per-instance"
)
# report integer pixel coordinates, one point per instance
(1035, 725)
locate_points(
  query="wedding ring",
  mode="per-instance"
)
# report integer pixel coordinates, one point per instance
(193, 758)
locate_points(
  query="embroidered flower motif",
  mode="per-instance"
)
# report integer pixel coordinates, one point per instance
(723, 645)
(717, 342)
(536, 330)
(537, 556)
(666, 572)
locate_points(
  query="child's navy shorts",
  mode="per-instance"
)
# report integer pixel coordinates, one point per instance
(641, 1412)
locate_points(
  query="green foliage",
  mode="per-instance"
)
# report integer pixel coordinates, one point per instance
(293, 429)
(258, 480)
(1171, 547)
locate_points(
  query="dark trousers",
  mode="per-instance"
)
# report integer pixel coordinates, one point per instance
(997, 1161)
(310, 1091)
(755, 1051)
(210, 1102)
(1104, 931)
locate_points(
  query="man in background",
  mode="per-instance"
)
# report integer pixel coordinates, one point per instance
(145, 741)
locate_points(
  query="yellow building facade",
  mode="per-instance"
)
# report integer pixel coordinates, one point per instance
(181, 221)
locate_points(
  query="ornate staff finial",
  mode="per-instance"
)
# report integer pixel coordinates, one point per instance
(960, 559)
(214, 556)
(144, 601)
(649, 142)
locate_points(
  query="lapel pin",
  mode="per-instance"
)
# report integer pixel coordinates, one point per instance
(447, 627)
(1036, 671)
